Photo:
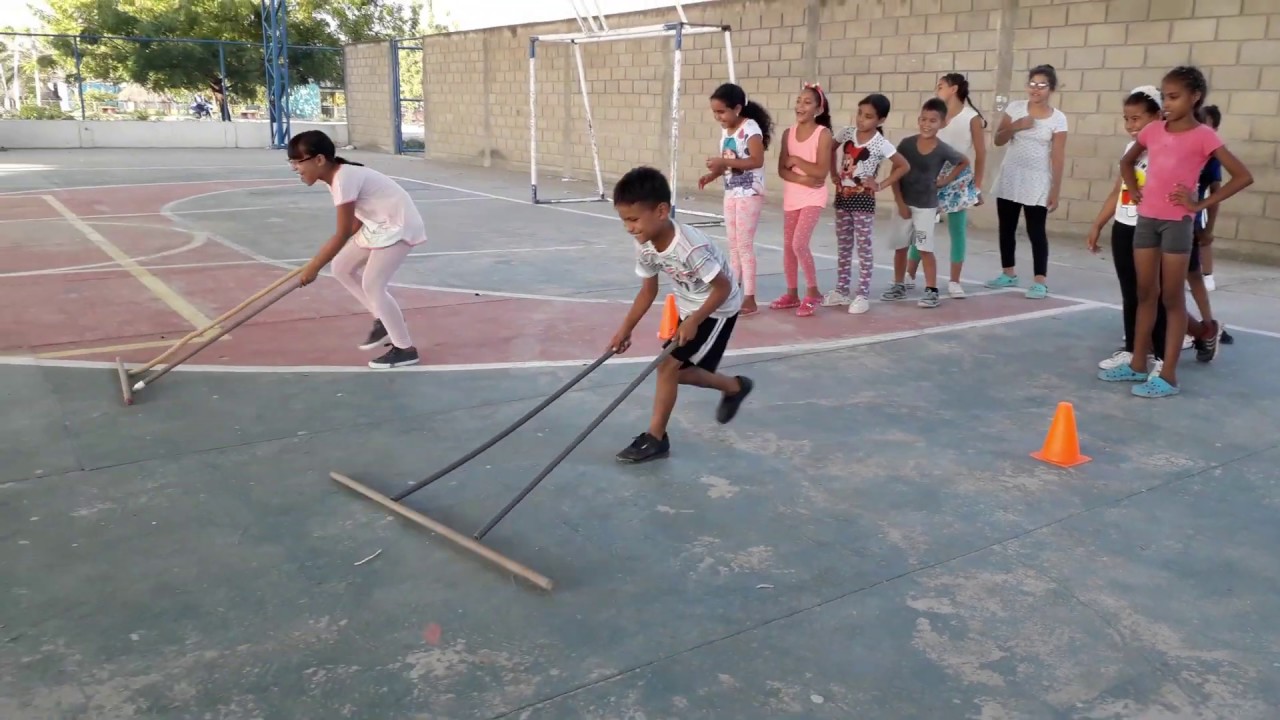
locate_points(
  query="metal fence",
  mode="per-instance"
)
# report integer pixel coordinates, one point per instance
(110, 77)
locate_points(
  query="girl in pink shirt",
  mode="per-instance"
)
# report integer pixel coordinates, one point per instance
(803, 165)
(377, 226)
(1177, 148)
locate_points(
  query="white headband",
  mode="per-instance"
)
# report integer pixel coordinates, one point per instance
(1152, 92)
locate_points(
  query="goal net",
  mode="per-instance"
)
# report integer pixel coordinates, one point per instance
(594, 28)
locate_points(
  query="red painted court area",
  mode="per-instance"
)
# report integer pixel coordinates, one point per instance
(93, 289)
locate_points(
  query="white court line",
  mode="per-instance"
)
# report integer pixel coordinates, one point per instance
(198, 239)
(248, 208)
(163, 292)
(561, 208)
(121, 168)
(112, 267)
(788, 349)
(168, 212)
(44, 191)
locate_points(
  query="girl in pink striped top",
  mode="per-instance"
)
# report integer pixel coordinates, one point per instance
(804, 164)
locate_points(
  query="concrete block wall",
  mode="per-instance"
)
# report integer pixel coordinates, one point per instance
(476, 85)
(370, 114)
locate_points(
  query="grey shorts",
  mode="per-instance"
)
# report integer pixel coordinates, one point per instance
(1169, 236)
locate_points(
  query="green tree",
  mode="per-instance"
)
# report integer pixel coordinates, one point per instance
(161, 65)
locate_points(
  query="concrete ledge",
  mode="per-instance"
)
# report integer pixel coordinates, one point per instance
(63, 134)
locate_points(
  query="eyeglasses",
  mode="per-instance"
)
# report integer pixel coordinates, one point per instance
(1038, 85)
(295, 163)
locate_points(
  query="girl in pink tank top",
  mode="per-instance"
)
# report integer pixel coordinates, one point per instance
(804, 164)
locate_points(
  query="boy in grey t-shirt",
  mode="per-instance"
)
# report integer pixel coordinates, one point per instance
(917, 197)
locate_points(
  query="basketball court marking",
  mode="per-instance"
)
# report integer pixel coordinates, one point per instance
(787, 349)
(199, 239)
(163, 292)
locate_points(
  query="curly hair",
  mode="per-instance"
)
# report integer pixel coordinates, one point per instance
(1191, 78)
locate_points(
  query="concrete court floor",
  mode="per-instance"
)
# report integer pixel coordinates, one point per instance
(868, 540)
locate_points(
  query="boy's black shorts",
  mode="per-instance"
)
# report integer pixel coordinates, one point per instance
(708, 346)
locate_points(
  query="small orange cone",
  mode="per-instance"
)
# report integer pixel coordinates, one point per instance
(1062, 444)
(670, 319)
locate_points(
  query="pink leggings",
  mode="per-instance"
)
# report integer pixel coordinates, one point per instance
(741, 217)
(797, 231)
(370, 288)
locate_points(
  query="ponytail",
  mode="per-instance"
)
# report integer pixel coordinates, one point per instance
(339, 160)
(961, 84)
(755, 111)
(733, 96)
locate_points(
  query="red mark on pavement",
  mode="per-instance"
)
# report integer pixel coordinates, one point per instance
(432, 634)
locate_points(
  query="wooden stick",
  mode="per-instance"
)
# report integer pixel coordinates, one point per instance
(125, 390)
(217, 321)
(447, 533)
(280, 293)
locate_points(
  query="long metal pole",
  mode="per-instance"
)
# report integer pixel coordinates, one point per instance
(671, 346)
(533, 118)
(500, 436)
(591, 128)
(678, 64)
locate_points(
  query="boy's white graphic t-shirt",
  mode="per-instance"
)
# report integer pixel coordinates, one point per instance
(383, 207)
(736, 145)
(1126, 208)
(692, 261)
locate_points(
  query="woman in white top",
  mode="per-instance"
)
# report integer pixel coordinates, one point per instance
(378, 225)
(1030, 176)
(966, 132)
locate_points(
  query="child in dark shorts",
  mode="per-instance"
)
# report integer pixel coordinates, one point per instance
(707, 295)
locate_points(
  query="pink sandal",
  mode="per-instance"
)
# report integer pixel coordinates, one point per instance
(808, 307)
(786, 302)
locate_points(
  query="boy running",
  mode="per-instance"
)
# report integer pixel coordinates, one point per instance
(917, 197)
(707, 295)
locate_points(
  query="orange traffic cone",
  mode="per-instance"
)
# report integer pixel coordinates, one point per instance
(670, 319)
(1062, 444)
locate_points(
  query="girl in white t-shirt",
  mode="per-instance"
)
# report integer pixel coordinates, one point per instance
(1142, 107)
(966, 132)
(859, 152)
(746, 129)
(1030, 176)
(378, 225)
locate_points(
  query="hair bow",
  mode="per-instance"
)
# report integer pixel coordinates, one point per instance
(821, 95)
(1152, 92)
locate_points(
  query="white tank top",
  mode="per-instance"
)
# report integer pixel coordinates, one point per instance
(958, 134)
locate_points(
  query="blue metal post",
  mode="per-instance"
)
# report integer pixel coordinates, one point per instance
(397, 112)
(275, 47)
(75, 45)
(225, 110)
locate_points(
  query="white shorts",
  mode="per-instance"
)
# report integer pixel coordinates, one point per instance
(918, 230)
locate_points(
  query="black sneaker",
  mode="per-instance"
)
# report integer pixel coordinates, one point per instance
(1207, 348)
(394, 358)
(645, 448)
(729, 404)
(377, 337)
(1225, 337)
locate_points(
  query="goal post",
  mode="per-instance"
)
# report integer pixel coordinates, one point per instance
(596, 31)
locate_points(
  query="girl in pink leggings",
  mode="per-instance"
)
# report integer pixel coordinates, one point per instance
(747, 129)
(803, 165)
(379, 219)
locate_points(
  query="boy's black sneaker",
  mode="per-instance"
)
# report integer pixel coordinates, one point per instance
(645, 448)
(394, 358)
(729, 404)
(1207, 348)
(377, 336)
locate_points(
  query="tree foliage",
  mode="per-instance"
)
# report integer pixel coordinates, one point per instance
(164, 65)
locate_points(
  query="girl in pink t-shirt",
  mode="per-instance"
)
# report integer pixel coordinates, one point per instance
(803, 165)
(378, 225)
(1177, 148)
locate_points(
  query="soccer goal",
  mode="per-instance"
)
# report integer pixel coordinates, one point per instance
(594, 28)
